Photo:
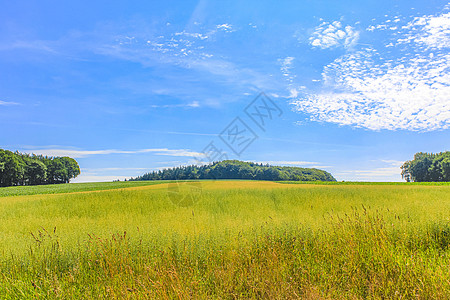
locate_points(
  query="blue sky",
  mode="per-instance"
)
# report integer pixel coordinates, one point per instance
(133, 86)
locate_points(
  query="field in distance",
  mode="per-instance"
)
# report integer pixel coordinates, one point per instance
(71, 187)
(231, 239)
(100, 186)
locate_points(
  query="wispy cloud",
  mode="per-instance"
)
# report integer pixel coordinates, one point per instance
(372, 89)
(85, 153)
(376, 174)
(35, 45)
(197, 49)
(94, 170)
(166, 45)
(334, 34)
(8, 103)
(193, 104)
(393, 162)
(168, 132)
(286, 66)
(387, 170)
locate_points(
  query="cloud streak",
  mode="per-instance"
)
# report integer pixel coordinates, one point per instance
(388, 171)
(86, 153)
(375, 174)
(193, 104)
(7, 103)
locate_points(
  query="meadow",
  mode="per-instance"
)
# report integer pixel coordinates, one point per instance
(71, 187)
(226, 240)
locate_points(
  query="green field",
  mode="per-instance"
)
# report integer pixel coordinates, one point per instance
(71, 187)
(237, 239)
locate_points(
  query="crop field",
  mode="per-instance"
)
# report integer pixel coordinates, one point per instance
(225, 240)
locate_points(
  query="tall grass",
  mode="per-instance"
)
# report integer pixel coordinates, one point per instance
(307, 242)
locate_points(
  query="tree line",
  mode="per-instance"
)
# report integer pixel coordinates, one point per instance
(427, 167)
(234, 169)
(29, 169)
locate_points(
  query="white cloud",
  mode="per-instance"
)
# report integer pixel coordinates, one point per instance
(84, 153)
(36, 45)
(393, 162)
(94, 170)
(286, 66)
(6, 103)
(198, 49)
(376, 174)
(434, 33)
(286, 63)
(170, 46)
(225, 27)
(172, 152)
(331, 35)
(385, 170)
(193, 35)
(375, 90)
(293, 93)
(193, 104)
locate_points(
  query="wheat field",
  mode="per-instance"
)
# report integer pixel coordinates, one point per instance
(228, 240)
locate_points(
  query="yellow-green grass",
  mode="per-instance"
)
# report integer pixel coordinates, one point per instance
(239, 239)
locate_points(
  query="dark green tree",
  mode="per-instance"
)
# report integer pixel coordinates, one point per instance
(234, 169)
(426, 167)
(24, 169)
(35, 172)
(57, 172)
(12, 168)
(72, 167)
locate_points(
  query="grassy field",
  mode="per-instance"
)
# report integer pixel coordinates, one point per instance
(232, 239)
(367, 183)
(71, 187)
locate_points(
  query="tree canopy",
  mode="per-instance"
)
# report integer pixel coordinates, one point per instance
(234, 169)
(426, 167)
(28, 169)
